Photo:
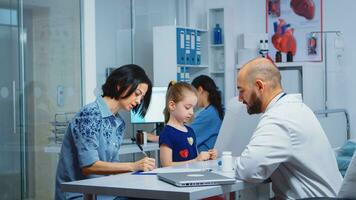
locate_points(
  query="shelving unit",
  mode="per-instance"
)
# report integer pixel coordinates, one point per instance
(59, 126)
(215, 61)
(168, 57)
(217, 64)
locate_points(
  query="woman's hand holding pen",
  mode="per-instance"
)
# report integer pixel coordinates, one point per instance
(145, 164)
(152, 137)
(213, 154)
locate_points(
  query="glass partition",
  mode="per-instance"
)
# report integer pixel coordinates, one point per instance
(124, 34)
(41, 77)
(10, 136)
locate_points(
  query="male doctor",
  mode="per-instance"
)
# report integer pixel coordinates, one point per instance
(288, 145)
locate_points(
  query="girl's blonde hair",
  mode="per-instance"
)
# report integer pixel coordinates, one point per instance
(175, 93)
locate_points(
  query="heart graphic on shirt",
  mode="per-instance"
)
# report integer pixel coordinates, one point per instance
(184, 153)
(190, 140)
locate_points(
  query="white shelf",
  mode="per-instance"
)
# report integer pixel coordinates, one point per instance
(284, 64)
(217, 72)
(217, 52)
(193, 66)
(187, 27)
(289, 64)
(217, 45)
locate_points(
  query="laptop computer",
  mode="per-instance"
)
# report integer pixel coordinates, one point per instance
(186, 179)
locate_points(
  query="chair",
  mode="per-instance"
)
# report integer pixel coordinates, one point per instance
(348, 186)
(236, 128)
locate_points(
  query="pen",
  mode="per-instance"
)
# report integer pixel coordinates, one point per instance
(144, 153)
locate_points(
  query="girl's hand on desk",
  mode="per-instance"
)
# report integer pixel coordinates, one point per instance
(213, 154)
(204, 155)
(145, 164)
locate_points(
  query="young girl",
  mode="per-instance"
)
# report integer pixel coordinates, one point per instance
(177, 141)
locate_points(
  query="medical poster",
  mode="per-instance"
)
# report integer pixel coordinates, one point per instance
(294, 27)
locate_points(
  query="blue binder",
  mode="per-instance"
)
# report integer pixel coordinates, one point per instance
(192, 53)
(180, 73)
(181, 46)
(198, 48)
(183, 74)
(186, 74)
(187, 47)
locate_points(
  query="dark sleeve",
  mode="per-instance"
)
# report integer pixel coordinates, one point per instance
(164, 138)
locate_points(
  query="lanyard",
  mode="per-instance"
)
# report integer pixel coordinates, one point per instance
(284, 94)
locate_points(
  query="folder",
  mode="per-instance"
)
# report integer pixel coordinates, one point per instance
(192, 53)
(187, 47)
(186, 74)
(180, 73)
(198, 48)
(181, 46)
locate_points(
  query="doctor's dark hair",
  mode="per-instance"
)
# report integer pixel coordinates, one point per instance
(123, 81)
(214, 95)
(176, 92)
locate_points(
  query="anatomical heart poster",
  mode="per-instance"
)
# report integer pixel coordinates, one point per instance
(291, 27)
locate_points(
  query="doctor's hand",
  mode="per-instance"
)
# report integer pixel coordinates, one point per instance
(145, 164)
(213, 154)
(204, 155)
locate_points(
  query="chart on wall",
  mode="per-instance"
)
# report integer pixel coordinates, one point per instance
(294, 27)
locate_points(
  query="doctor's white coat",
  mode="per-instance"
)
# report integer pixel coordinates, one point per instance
(290, 147)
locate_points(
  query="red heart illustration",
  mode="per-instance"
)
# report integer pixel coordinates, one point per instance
(304, 8)
(184, 153)
(283, 39)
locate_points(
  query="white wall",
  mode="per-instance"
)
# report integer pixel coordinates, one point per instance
(249, 16)
(113, 36)
(337, 16)
(149, 14)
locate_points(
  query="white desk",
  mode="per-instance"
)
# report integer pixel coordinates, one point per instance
(148, 186)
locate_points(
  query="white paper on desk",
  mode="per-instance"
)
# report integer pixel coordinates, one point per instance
(211, 165)
(175, 170)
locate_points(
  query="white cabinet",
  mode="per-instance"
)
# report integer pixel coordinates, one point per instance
(179, 53)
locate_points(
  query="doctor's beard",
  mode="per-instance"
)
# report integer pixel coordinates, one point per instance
(255, 106)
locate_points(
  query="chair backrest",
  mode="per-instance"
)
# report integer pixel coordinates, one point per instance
(236, 128)
(348, 187)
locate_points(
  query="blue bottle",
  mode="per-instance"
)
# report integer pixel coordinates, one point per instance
(217, 35)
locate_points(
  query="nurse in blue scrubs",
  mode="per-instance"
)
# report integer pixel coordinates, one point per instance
(207, 121)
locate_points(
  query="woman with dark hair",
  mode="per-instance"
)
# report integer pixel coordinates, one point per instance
(207, 122)
(91, 144)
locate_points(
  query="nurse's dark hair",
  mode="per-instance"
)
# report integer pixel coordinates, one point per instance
(176, 92)
(123, 81)
(214, 97)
